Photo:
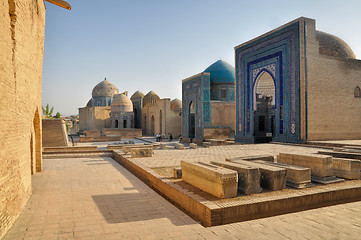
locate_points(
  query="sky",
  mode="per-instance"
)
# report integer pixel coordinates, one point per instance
(153, 45)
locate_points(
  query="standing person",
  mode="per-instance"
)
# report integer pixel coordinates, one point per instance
(170, 137)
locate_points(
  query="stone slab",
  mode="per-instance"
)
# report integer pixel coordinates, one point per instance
(215, 180)
(249, 178)
(273, 178)
(229, 142)
(141, 152)
(70, 149)
(163, 146)
(269, 158)
(346, 168)
(177, 172)
(206, 144)
(326, 180)
(179, 146)
(320, 165)
(296, 176)
(115, 147)
(127, 148)
(348, 155)
(193, 145)
(216, 142)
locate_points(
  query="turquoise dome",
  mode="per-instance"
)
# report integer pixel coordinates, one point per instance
(221, 72)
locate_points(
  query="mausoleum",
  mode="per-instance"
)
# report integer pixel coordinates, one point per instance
(297, 84)
(208, 104)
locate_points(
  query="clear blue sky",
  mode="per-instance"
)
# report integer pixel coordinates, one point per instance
(152, 45)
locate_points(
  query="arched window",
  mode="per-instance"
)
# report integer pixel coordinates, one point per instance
(357, 92)
(125, 123)
(116, 123)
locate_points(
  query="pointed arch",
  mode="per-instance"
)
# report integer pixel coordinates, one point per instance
(357, 92)
(37, 141)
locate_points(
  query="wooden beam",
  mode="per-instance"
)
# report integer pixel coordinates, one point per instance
(60, 3)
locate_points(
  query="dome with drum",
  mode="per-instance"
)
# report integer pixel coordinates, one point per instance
(103, 93)
(121, 103)
(150, 99)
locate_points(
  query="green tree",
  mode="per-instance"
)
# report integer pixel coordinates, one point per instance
(48, 112)
(57, 115)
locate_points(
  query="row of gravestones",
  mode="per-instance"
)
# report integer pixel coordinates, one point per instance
(248, 175)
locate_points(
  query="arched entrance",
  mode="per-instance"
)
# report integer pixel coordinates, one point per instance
(191, 120)
(136, 118)
(125, 123)
(36, 142)
(160, 122)
(264, 106)
(32, 157)
(116, 123)
(152, 126)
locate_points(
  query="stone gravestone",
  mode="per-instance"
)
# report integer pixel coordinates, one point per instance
(218, 181)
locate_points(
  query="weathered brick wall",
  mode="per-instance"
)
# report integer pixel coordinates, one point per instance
(54, 133)
(21, 42)
(333, 112)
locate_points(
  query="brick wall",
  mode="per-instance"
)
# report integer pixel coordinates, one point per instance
(54, 133)
(333, 112)
(21, 42)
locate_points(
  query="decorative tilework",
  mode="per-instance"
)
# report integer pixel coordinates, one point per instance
(278, 54)
(206, 95)
(206, 112)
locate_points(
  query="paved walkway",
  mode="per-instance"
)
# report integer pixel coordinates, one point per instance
(95, 198)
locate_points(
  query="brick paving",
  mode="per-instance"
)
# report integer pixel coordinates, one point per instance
(95, 198)
(172, 157)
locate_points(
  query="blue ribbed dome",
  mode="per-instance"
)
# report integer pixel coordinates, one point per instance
(221, 72)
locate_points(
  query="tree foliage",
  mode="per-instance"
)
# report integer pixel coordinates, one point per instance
(57, 115)
(48, 112)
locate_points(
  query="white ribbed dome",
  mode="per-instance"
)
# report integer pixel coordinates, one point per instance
(122, 103)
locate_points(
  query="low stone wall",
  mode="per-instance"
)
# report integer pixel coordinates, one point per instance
(141, 152)
(123, 132)
(54, 133)
(78, 154)
(92, 133)
(214, 213)
(100, 139)
(87, 139)
(187, 202)
(348, 155)
(69, 149)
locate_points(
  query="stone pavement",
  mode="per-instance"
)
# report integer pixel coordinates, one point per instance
(95, 198)
(172, 157)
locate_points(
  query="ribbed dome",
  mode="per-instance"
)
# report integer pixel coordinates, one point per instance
(333, 46)
(104, 89)
(90, 103)
(122, 103)
(175, 104)
(221, 72)
(150, 99)
(137, 94)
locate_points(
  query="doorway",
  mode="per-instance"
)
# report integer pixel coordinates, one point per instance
(264, 105)
(191, 121)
